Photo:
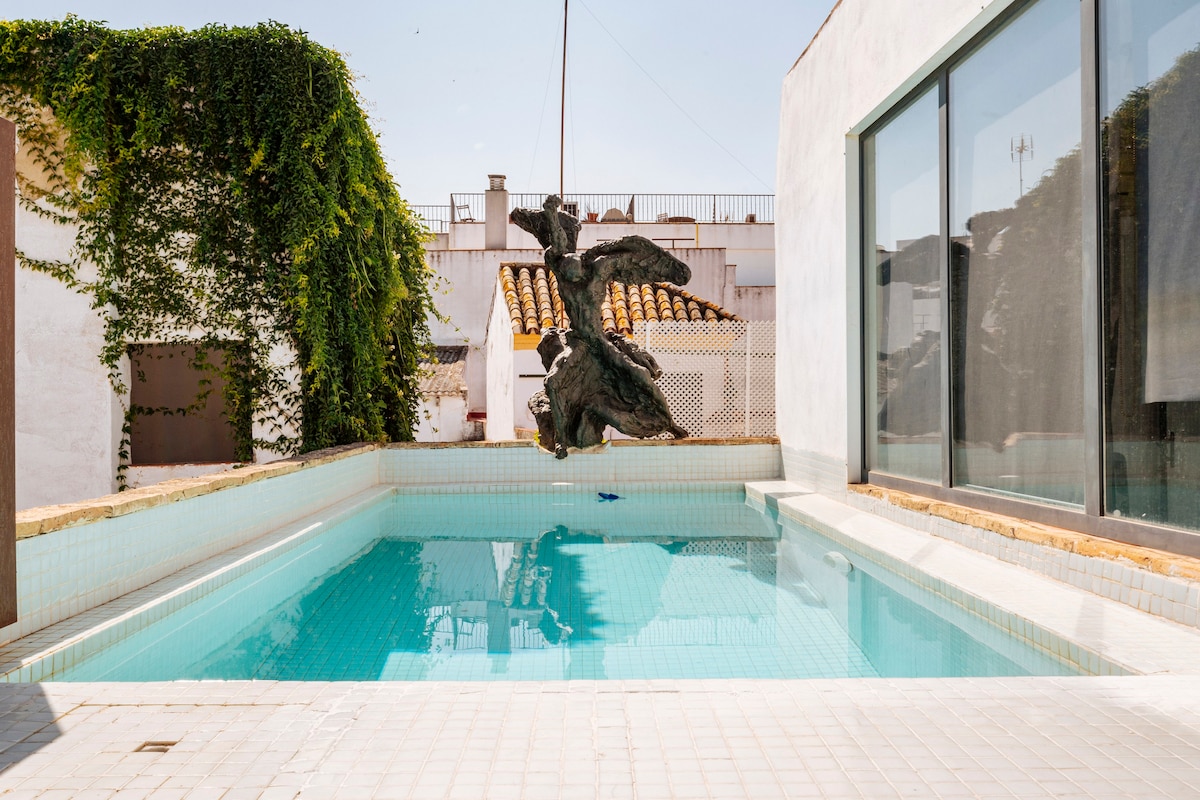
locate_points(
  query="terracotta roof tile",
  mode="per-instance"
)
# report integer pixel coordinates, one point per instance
(531, 293)
(443, 371)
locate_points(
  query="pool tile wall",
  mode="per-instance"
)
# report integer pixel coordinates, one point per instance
(1099, 635)
(526, 511)
(74, 558)
(1156, 583)
(65, 572)
(48, 652)
(815, 471)
(523, 463)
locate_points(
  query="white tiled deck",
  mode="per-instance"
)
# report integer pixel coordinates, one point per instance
(1112, 737)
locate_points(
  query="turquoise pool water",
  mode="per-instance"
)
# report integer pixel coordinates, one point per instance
(559, 584)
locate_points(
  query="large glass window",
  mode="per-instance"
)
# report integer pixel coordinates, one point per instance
(902, 240)
(1015, 263)
(978, 253)
(1150, 199)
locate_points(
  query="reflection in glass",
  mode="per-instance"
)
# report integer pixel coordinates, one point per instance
(1150, 197)
(1015, 262)
(900, 163)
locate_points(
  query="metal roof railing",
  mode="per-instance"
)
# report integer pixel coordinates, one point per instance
(436, 218)
(625, 207)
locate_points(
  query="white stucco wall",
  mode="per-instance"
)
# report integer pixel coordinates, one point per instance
(526, 363)
(751, 247)
(756, 303)
(755, 267)
(499, 369)
(441, 418)
(467, 282)
(68, 419)
(738, 236)
(867, 52)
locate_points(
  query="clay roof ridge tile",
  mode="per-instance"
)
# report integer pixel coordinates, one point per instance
(534, 303)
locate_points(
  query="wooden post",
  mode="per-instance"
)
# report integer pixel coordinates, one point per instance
(8, 477)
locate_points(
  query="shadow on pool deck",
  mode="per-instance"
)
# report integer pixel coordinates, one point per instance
(27, 722)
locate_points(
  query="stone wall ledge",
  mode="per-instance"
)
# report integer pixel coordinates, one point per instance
(1158, 561)
(45, 519)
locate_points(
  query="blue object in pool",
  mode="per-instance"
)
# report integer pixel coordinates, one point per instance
(608, 496)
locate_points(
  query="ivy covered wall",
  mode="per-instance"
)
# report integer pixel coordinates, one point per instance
(227, 189)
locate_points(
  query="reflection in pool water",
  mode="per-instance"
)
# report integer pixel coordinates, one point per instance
(602, 597)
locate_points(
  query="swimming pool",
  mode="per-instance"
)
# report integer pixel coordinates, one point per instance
(551, 583)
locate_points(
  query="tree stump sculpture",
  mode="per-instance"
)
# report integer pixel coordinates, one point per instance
(594, 379)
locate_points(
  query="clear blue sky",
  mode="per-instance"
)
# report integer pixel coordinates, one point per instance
(457, 89)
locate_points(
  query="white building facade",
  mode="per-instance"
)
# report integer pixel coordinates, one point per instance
(731, 255)
(986, 220)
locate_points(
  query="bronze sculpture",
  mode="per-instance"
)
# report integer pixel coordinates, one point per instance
(594, 379)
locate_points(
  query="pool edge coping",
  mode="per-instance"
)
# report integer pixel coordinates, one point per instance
(32, 522)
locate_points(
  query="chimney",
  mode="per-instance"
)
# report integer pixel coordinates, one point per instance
(495, 214)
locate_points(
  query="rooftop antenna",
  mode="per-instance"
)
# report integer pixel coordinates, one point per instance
(562, 116)
(1021, 150)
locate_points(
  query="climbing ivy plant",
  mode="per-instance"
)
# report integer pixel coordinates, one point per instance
(227, 190)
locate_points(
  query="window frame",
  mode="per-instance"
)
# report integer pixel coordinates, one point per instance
(940, 85)
(1091, 518)
(144, 352)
